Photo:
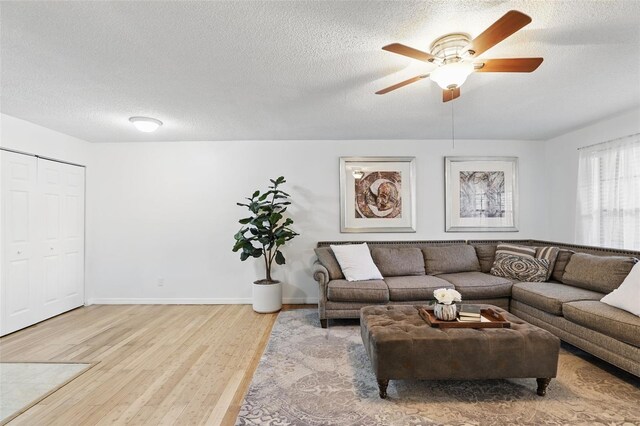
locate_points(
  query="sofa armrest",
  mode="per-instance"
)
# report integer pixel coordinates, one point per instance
(321, 275)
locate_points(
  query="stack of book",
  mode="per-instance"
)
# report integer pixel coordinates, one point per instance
(469, 313)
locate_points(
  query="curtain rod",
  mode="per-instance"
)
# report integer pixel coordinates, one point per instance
(612, 140)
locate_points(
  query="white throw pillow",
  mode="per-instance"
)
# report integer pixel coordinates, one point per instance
(356, 262)
(627, 296)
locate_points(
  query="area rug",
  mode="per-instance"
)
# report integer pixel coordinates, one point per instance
(23, 384)
(314, 376)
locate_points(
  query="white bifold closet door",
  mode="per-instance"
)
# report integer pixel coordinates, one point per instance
(42, 223)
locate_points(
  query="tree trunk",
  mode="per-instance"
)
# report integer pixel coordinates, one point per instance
(267, 265)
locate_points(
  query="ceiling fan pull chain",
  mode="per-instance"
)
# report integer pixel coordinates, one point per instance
(453, 132)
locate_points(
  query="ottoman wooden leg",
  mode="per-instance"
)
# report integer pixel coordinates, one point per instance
(323, 323)
(542, 386)
(382, 384)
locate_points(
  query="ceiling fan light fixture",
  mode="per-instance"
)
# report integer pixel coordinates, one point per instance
(145, 124)
(453, 75)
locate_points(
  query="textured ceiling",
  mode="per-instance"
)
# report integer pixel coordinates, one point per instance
(308, 69)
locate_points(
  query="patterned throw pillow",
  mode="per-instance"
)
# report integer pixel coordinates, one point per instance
(515, 250)
(520, 268)
(550, 254)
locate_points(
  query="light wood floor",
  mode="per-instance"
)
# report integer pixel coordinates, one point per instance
(156, 364)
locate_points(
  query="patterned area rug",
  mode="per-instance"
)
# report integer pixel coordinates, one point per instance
(314, 376)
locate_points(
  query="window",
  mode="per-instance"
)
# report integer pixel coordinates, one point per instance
(608, 207)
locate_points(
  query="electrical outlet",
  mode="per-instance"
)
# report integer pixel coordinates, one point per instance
(160, 282)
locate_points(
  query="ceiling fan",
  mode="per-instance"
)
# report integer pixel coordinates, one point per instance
(455, 56)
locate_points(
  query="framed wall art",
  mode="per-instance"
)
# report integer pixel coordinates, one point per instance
(377, 194)
(481, 194)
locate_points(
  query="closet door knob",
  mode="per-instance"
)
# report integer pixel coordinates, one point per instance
(19, 252)
(50, 248)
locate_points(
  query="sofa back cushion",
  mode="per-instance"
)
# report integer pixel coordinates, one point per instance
(450, 259)
(329, 261)
(486, 254)
(398, 261)
(562, 259)
(597, 273)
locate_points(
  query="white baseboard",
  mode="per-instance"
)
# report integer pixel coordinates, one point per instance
(191, 301)
(300, 300)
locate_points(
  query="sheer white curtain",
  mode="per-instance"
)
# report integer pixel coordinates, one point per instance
(608, 208)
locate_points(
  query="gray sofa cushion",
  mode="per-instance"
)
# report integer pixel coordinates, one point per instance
(414, 287)
(478, 285)
(597, 273)
(450, 259)
(606, 319)
(550, 296)
(486, 254)
(398, 261)
(561, 263)
(329, 261)
(374, 291)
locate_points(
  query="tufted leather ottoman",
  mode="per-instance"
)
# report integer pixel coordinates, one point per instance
(401, 345)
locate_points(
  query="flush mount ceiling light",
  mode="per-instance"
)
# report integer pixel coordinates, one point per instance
(145, 124)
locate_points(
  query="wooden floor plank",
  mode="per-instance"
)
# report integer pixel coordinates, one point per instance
(156, 364)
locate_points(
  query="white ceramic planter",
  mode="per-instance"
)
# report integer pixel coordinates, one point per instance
(267, 298)
(445, 312)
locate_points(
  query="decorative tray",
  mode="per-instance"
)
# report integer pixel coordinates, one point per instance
(492, 318)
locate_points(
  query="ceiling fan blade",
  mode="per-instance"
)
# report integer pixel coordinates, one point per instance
(450, 94)
(401, 84)
(508, 65)
(403, 50)
(511, 22)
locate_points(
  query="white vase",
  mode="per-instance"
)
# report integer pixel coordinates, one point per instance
(445, 312)
(267, 298)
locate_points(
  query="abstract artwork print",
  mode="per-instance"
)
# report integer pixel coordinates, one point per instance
(482, 194)
(378, 195)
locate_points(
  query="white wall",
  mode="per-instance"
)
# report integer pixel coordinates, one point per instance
(561, 169)
(31, 138)
(167, 210)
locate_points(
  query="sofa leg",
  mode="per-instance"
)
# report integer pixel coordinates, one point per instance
(324, 323)
(542, 386)
(382, 385)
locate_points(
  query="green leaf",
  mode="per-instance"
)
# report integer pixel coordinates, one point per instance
(255, 194)
(245, 220)
(275, 217)
(280, 258)
(244, 256)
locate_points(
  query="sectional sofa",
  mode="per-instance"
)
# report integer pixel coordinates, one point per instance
(568, 304)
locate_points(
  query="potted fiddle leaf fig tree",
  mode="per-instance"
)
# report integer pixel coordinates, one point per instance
(263, 235)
